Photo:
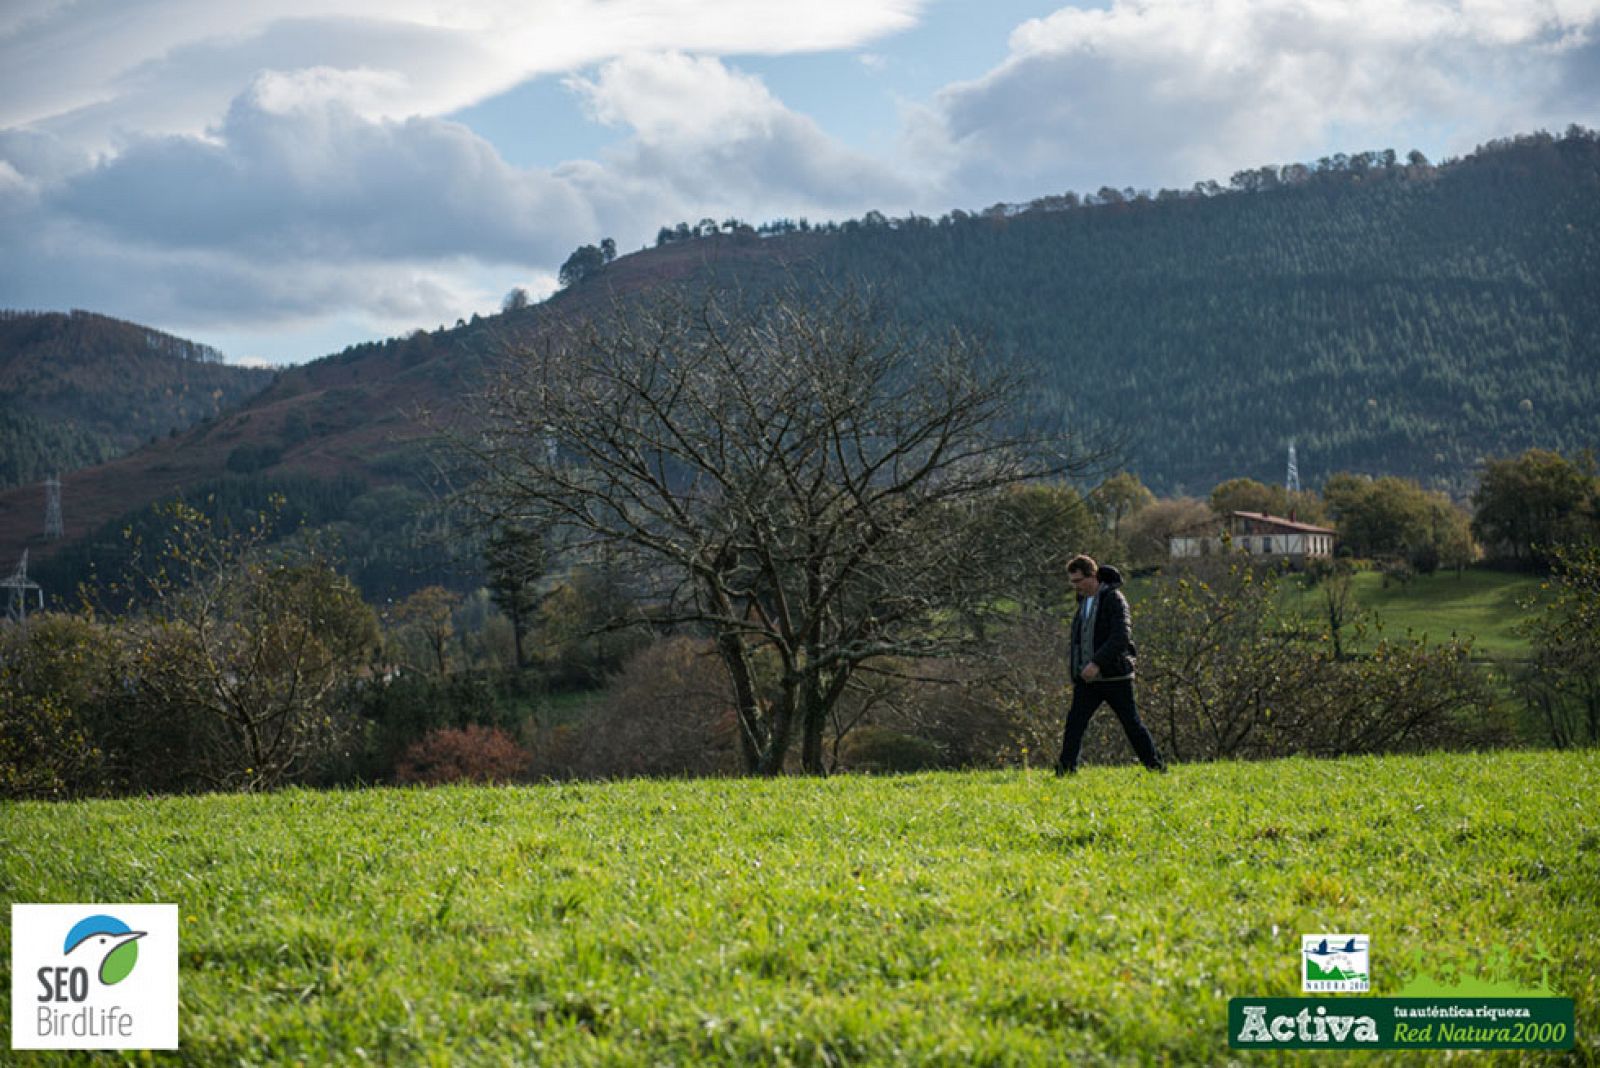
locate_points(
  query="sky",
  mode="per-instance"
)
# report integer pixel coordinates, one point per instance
(283, 178)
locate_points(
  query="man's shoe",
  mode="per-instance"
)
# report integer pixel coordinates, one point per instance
(1160, 769)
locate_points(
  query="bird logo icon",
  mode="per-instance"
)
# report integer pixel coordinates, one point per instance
(107, 933)
(1322, 949)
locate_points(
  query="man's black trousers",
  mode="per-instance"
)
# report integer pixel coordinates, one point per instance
(1086, 699)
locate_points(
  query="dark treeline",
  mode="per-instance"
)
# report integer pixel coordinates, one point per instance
(387, 539)
(34, 448)
(92, 323)
(78, 388)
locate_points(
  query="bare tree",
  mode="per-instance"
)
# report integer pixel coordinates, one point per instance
(255, 651)
(428, 618)
(1147, 531)
(797, 475)
(1221, 661)
(1230, 673)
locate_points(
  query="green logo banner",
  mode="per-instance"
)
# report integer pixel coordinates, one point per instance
(1400, 1023)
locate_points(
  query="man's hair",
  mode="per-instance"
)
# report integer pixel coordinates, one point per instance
(1083, 565)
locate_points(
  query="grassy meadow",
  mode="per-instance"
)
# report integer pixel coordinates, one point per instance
(1480, 604)
(984, 918)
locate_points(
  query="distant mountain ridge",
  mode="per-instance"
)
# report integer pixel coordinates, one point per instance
(1398, 317)
(1389, 316)
(80, 388)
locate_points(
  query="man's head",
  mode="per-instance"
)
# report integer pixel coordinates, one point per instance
(1084, 573)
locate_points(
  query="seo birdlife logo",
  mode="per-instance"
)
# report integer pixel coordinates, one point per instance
(94, 977)
(117, 940)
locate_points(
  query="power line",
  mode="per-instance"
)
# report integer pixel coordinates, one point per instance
(17, 588)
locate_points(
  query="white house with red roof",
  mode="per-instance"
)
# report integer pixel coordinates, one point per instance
(1270, 537)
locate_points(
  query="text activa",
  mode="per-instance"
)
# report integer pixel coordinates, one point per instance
(1305, 1027)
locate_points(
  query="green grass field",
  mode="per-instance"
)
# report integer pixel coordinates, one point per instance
(1478, 604)
(989, 918)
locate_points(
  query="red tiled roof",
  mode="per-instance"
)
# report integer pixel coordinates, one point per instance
(1216, 525)
(1280, 521)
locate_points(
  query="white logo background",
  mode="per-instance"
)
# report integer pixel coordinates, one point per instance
(1351, 961)
(148, 997)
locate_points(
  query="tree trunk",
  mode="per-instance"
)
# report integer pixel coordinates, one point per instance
(782, 728)
(816, 718)
(820, 697)
(748, 705)
(519, 624)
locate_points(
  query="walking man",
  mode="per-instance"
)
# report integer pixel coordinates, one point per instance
(1102, 663)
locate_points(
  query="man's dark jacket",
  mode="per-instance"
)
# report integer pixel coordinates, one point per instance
(1114, 651)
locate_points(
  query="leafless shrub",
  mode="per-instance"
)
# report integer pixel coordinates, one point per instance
(668, 712)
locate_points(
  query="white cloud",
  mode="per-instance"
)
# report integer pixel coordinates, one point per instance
(361, 90)
(211, 290)
(707, 140)
(674, 97)
(91, 68)
(190, 162)
(290, 174)
(294, 209)
(15, 189)
(296, 206)
(1154, 92)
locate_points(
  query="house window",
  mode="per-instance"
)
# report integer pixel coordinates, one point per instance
(1266, 545)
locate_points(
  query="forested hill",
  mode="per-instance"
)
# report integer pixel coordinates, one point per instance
(78, 389)
(1388, 315)
(1402, 319)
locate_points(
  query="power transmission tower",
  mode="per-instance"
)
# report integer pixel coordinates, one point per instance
(17, 587)
(52, 507)
(1293, 482)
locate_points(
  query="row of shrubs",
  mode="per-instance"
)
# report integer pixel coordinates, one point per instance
(1225, 673)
